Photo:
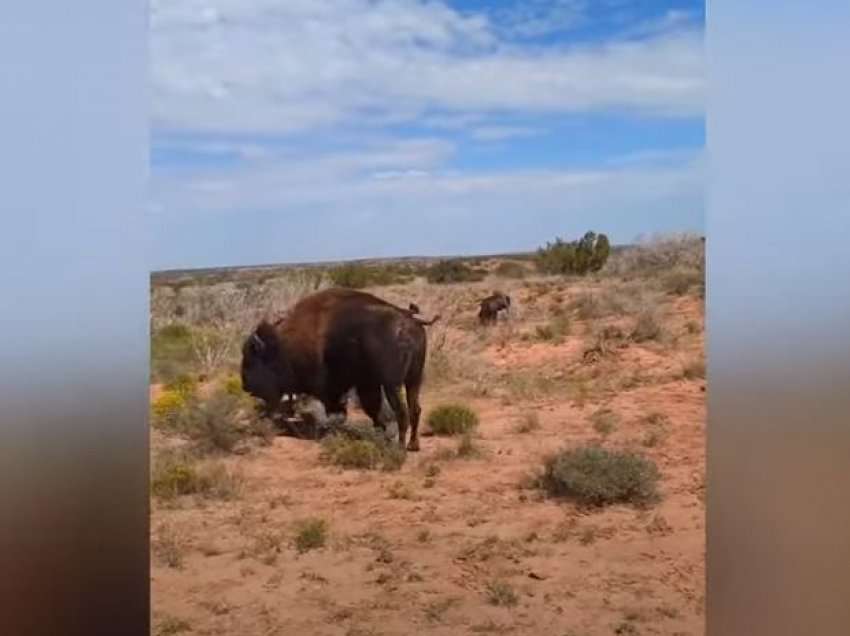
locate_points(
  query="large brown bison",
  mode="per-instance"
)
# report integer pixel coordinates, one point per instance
(336, 340)
(492, 305)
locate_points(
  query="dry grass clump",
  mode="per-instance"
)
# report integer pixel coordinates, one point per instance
(501, 594)
(647, 327)
(310, 534)
(175, 474)
(604, 421)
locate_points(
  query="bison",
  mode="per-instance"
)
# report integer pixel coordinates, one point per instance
(335, 340)
(492, 305)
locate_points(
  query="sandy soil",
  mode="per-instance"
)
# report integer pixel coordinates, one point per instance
(413, 553)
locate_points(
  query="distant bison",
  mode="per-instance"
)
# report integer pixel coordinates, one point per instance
(335, 340)
(492, 305)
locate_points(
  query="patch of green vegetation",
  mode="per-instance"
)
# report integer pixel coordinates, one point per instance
(453, 271)
(310, 534)
(595, 476)
(452, 419)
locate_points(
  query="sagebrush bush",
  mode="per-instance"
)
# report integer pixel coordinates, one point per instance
(452, 419)
(178, 474)
(359, 275)
(453, 271)
(362, 454)
(594, 476)
(220, 421)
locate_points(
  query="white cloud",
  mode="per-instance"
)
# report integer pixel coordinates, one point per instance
(410, 175)
(280, 66)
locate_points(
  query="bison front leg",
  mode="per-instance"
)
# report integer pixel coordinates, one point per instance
(400, 410)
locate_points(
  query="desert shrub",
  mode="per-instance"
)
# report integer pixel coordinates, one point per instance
(171, 352)
(604, 421)
(647, 327)
(501, 594)
(221, 421)
(167, 408)
(452, 419)
(595, 476)
(588, 254)
(453, 271)
(662, 256)
(184, 384)
(211, 423)
(362, 454)
(681, 281)
(232, 385)
(359, 275)
(177, 474)
(310, 534)
(511, 269)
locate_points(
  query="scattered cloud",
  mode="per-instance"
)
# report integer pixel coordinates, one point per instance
(385, 114)
(285, 66)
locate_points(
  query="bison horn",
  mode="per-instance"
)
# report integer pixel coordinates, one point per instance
(258, 341)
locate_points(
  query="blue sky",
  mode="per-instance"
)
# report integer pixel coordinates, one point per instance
(292, 130)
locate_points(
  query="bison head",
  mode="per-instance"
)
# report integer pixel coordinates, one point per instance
(262, 370)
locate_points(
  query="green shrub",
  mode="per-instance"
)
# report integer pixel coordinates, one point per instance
(171, 352)
(453, 271)
(588, 254)
(359, 275)
(452, 419)
(362, 454)
(310, 534)
(595, 476)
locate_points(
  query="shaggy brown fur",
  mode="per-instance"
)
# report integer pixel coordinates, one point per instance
(336, 340)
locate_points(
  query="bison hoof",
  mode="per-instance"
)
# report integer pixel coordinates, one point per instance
(413, 446)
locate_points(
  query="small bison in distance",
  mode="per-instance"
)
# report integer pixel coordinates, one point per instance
(336, 340)
(491, 306)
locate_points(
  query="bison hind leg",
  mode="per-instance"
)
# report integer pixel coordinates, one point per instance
(393, 394)
(372, 402)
